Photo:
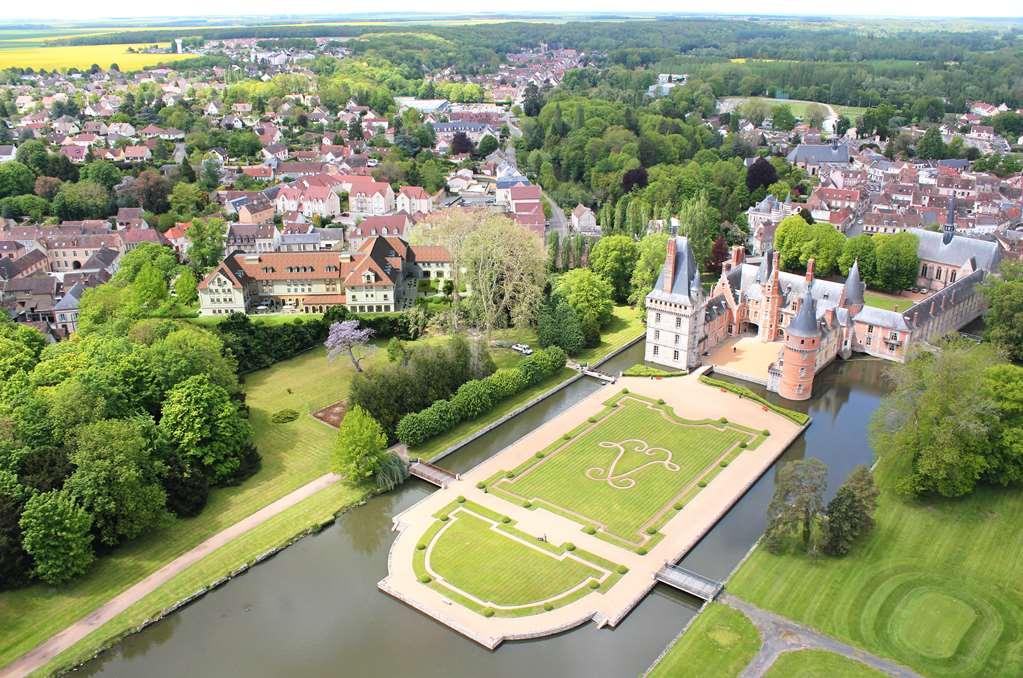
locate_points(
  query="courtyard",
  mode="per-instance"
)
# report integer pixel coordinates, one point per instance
(746, 357)
(571, 522)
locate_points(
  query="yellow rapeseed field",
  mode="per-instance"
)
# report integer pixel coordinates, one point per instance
(82, 56)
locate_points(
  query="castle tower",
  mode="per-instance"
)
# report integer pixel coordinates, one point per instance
(853, 292)
(802, 340)
(770, 307)
(676, 309)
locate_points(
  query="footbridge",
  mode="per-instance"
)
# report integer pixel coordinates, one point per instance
(431, 473)
(690, 582)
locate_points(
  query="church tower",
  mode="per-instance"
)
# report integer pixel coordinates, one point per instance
(802, 341)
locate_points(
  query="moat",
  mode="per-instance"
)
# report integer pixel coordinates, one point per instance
(314, 609)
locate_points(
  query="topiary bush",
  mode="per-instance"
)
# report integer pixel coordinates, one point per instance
(743, 444)
(425, 579)
(460, 499)
(284, 416)
(506, 382)
(472, 399)
(589, 530)
(548, 606)
(702, 483)
(622, 569)
(488, 612)
(594, 584)
(570, 546)
(642, 551)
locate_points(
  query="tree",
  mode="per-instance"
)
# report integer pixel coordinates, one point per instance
(1003, 384)
(343, 337)
(209, 178)
(15, 179)
(204, 428)
(861, 482)
(33, 154)
(1004, 317)
(150, 191)
(782, 118)
(718, 254)
(842, 125)
(559, 325)
(846, 520)
(82, 200)
(46, 187)
(700, 223)
(532, 101)
(56, 533)
(186, 172)
(815, 116)
(760, 173)
(614, 257)
(15, 562)
(102, 172)
(117, 477)
(861, 249)
(797, 503)
(207, 243)
(461, 143)
(186, 287)
(936, 421)
(360, 446)
(186, 200)
(931, 146)
(651, 253)
(488, 144)
(591, 297)
(896, 262)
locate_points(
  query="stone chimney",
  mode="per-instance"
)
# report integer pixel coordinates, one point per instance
(809, 272)
(738, 255)
(669, 265)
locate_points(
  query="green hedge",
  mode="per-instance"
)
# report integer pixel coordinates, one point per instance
(743, 392)
(477, 397)
(641, 370)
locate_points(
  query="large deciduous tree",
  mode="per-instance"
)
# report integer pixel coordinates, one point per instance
(614, 257)
(1004, 318)
(344, 337)
(760, 174)
(651, 253)
(15, 179)
(56, 532)
(82, 200)
(206, 238)
(797, 503)
(701, 224)
(360, 446)
(895, 261)
(591, 297)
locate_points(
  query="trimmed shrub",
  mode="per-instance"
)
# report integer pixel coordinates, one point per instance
(443, 519)
(412, 429)
(702, 483)
(641, 370)
(743, 444)
(509, 474)
(425, 579)
(506, 382)
(651, 530)
(548, 606)
(527, 504)
(420, 547)
(480, 485)
(594, 584)
(724, 464)
(679, 506)
(488, 612)
(461, 499)
(570, 546)
(472, 399)
(622, 569)
(505, 519)
(284, 416)
(540, 455)
(642, 551)
(589, 530)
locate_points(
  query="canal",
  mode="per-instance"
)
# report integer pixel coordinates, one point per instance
(314, 609)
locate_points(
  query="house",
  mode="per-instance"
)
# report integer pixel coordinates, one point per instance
(252, 238)
(946, 257)
(137, 154)
(814, 157)
(413, 200)
(378, 225)
(177, 237)
(584, 220)
(381, 275)
(369, 198)
(257, 211)
(130, 217)
(8, 152)
(763, 219)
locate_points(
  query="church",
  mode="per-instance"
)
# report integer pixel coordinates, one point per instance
(810, 320)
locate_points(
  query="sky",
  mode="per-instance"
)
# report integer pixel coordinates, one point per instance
(63, 10)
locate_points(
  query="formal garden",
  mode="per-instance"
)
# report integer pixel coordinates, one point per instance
(478, 558)
(627, 470)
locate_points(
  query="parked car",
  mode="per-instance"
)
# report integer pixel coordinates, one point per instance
(522, 348)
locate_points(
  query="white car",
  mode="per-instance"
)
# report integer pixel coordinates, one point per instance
(522, 348)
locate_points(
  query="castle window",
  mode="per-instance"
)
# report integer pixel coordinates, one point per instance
(657, 317)
(678, 322)
(675, 356)
(802, 371)
(870, 329)
(655, 350)
(952, 277)
(657, 335)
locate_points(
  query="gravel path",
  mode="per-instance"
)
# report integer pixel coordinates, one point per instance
(781, 635)
(39, 656)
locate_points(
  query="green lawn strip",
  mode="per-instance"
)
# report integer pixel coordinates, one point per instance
(792, 415)
(308, 516)
(937, 585)
(641, 370)
(626, 324)
(887, 302)
(720, 642)
(816, 663)
(470, 551)
(553, 479)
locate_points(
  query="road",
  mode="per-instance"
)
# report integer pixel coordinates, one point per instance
(558, 221)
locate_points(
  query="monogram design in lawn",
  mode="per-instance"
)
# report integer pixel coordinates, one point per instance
(622, 479)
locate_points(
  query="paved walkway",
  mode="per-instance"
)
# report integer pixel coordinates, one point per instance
(38, 657)
(689, 399)
(780, 635)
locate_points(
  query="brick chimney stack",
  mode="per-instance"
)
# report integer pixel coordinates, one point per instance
(809, 272)
(669, 265)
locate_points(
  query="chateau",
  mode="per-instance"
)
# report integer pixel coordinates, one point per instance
(811, 320)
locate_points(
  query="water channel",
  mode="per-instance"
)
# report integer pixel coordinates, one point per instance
(314, 609)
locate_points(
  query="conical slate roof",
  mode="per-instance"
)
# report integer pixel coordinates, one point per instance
(805, 322)
(685, 282)
(854, 286)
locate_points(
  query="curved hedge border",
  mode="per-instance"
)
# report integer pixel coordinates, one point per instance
(743, 392)
(475, 398)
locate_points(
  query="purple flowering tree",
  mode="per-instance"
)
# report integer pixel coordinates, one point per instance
(344, 337)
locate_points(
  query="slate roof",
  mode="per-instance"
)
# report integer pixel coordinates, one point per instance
(685, 284)
(805, 322)
(818, 153)
(958, 251)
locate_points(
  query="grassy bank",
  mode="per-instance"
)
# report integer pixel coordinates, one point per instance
(293, 454)
(720, 642)
(305, 517)
(938, 585)
(887, 301)
(816, 663)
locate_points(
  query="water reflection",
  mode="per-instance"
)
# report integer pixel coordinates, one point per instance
(314, 610)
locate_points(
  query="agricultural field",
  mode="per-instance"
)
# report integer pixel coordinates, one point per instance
(479, 559)
(799, 106)
(82, 57)
(625, 471)
(720, 642)
(938, 584)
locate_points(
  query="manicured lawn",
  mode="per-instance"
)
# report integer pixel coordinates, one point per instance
(887, 301)
(720, 642)
(937, 586)
(293, 454)
(817, 663)
(306, 516)
(624, 471)
(626, 325)
(475, 558)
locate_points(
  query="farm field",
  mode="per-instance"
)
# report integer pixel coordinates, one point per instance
(621, 472)
(81, 56)
(720, 642)
(799, 106)
(938, 584)
(478, 558)
(293, 454)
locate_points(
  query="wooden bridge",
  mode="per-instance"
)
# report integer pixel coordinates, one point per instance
(431, 473)
(690, 582)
